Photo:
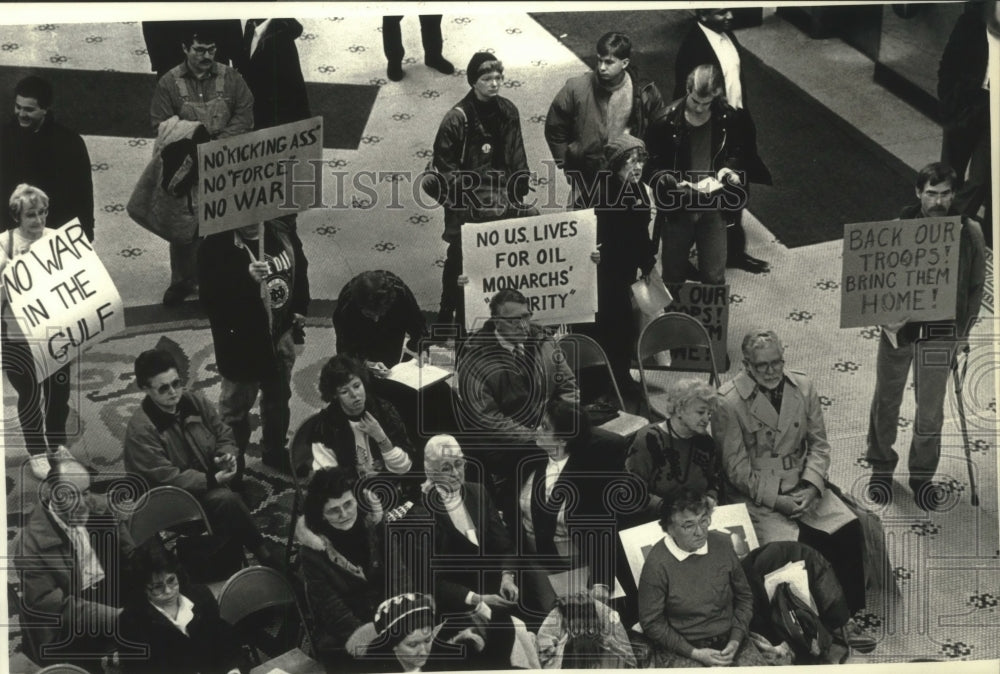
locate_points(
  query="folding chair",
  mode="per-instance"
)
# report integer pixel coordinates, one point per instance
(672, 330)
(164, 509)
(584, 351)
(300, 458)
(62, 669)
(263, 607)
(28, 643)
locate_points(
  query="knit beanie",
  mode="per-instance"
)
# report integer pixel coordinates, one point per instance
(616, 150)
(398, 616)
(479, 59)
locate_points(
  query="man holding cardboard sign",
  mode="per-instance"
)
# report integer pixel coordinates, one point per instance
(930, 346)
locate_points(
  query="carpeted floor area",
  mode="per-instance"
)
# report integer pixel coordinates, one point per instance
(826, 173)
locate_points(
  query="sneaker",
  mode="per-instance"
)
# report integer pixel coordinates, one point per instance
(930, 496)
(440, 64)
(39, 465)
(879, 489)
(394, 71)
(857, 639)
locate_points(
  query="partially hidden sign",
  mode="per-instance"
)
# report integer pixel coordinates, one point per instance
(709, 305)
(900, 269)
(545, 257)
(259, 175)
(63, 297)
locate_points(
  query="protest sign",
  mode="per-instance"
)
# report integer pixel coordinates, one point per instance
(900, 269)
(546, 257)
(63, 298)
(709, 304)
(246, 179)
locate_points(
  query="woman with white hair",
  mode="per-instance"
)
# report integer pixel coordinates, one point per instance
(679, 452)
(42, 403)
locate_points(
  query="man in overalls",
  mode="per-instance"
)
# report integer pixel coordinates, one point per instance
(199, 90)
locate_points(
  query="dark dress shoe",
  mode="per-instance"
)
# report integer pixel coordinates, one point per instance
(176, 294)
(440, 64)
(395, 71)
(879, 489)
(930, 496)
(750, 264)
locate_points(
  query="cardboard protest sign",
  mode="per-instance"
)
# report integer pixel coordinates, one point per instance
(63, 297)
(709, 304)
(259, 175)
(546, 257)
(900, 269)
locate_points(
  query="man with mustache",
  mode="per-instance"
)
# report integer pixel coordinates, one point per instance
(921, 343)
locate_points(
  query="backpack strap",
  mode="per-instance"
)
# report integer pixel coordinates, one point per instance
(465, 134)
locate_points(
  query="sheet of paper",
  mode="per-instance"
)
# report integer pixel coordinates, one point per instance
(416, 377)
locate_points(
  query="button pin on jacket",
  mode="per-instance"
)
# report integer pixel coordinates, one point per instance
(486, 148)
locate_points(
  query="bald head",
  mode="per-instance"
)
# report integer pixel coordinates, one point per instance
(66, 491)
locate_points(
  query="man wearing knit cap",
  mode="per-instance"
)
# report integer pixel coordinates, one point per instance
(595, 107)
(479, 150)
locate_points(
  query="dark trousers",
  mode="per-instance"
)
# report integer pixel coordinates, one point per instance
(452, 296)
(229, 516)
(844, 550)
(615, 324)
(42, 406)
(430, 35)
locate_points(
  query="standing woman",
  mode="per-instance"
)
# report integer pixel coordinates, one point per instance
(42, 405)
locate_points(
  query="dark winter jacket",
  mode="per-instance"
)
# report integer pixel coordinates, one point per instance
(964, 102)
(378, 341)
(244, 345)
(55, 160)
(274, 74)
(623, 216)
(333, 429)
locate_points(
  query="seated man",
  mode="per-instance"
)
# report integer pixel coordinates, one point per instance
(177, 438)
(65, 573)
(770, 427)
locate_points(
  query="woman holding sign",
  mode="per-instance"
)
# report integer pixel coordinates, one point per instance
(42, 400)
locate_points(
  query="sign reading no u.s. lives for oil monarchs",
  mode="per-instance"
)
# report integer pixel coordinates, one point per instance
(62, 297)
(546, 257)
(260, 175)
(900, 270)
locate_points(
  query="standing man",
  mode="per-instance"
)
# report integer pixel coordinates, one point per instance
(253, 342)
(931, 347)
(163, 42)
(177, 438)
(711, 40)
(273, 72)
(698, 138)
(200, 90)
(39, 151)
(479, 151)
(595, 108)
(430, 35)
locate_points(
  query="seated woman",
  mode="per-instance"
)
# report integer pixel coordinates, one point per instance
(177, 621)
(679, 452)
(567, 483)
(695, 603)
(583, 633)
(357, 431)
(345, 564)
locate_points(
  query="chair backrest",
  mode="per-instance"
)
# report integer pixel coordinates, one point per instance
(62, 669)
(590, 354)
(300, 452)
(163, 508)
(255, 589)
(673, 330)
(28, 644)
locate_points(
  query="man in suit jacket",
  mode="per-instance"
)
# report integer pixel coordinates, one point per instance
(711, 40)
(273, 72)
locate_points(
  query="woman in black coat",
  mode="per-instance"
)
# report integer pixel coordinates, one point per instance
(177, 621)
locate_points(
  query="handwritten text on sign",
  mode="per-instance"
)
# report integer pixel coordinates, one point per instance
(709, 304)
(63, 297)
(546, 257)
(244, 179)
(901, 269)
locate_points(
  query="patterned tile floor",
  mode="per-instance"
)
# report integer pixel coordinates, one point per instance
(946, 564)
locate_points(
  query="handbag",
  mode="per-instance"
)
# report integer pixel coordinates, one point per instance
(433, 182)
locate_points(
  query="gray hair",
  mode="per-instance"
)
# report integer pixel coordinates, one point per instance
(684, 392)
(441, 446)
(759, 339)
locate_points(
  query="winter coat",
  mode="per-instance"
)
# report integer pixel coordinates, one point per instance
(274, 74)
(333, 429)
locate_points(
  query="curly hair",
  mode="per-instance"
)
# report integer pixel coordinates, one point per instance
(684, 499)
(684, 392)
(337, 372)
(326, 483)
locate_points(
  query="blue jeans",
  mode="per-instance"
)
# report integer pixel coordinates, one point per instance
(706, 229)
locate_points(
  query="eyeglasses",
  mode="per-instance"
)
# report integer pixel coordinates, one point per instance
(514, 320)
(175, 385)
(170, 581)
(202, 51)
(455, 466)
(762, 368)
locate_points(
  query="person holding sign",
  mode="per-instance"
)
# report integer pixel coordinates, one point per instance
(922, 343)
(695, 603)
(42, 404)
(199, 90)
(697, 151)
(777, 461)
(623, 216)
(254, 347)
(479, 152)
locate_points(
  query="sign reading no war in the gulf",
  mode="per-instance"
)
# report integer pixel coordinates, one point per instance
(63, 298)
(546, 257)
(246, 179)
(900, 269)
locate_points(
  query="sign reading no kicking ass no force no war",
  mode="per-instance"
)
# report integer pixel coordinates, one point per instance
(900, 269)
(546, 257)
(63, 297)
(245, 179)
